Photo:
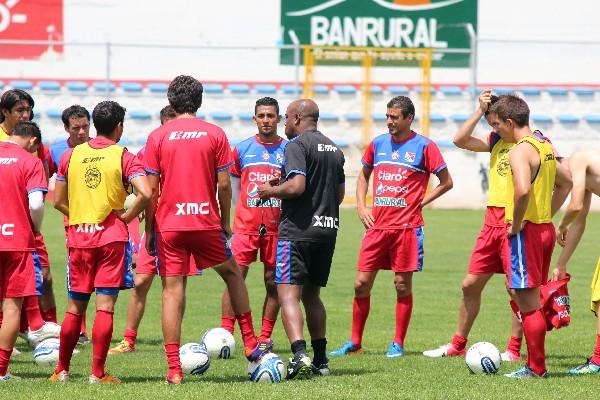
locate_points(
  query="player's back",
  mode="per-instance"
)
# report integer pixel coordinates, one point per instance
(187, 153)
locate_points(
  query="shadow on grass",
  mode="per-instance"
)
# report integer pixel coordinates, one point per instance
(188, 379)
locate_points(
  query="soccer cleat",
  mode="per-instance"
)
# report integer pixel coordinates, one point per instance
(525, 373)
(395, 350)
(321, 370)
(9, 377)
(62, 376)
(446, 350)
(107, 378)
(263, 347)
(347, 348)
(48, 330)
(176, 379)
(587, 368)
(510, 356)
(122, 347)
(15, 352)
(83, 339)
(299, 367)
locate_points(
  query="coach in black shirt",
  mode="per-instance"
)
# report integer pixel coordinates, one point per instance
(312, 189)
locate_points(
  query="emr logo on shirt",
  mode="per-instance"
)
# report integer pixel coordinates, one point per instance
(7, 161)
(178, 135)
(326, 147)
(7, 229)
(326, 222)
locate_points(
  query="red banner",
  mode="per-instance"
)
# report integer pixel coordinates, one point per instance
(30, 20)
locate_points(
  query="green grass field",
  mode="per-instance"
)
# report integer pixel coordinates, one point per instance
(449, 238)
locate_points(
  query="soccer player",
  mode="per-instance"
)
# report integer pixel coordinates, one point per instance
(401, 162)
(585, 174)
(22, 184)
(311, 191)
(256, 160)
(91, 187)
(531, 234)
(16, 106)
(144, 273)
(189, 160)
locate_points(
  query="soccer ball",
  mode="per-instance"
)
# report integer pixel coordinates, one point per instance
(46, 353)
(269, 369)
(219, 342)
(483, 358)
(194, 358)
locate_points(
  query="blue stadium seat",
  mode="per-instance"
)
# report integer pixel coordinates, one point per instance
(398, 90)
(321, 89)
(556, 91)
(265, 89)
(567, 118)
(125, 141)
(158, 87)
(583, 91)
(214, 88)
(140, 115)
(21, 84)
(344, 89)
(103, 86)
(239, 88)
(436, 117)
(459, 117)
(1, 85)
(375, 89)
(76, 86)
(341, 142)
(451, 90)
(445, 144)
(501, 91)
(54, 113)
(221, 115)
(379, 117)
(291, 89)
(353, 116)
(541, 118)
(418, 89)
(330, 117)
(49, 86)
(530, 91)
(592, 118)
(245, 115)
(200, 114)
(233, 141)
(131, 87)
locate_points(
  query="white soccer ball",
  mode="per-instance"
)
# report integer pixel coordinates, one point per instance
(194, 358)
(46, 353)
(219, 342)
(483, 358)
(269, 369)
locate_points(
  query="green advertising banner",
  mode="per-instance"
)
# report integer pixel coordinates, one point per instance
(437, 24)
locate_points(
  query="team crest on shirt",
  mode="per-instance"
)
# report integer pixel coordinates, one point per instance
(395, 155)
(93, 177)
(279, 158)
(265, 155)
(409, 156)
(503, 165)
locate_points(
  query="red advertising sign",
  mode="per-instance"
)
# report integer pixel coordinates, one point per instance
(30, 20)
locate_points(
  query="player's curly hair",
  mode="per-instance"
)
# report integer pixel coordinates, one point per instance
(106, 116)
(27, 129)
(12, 97)
(404, 104)
(510, 106)
(76, 111)
(185, 94)
(267, 101)
(167, 113)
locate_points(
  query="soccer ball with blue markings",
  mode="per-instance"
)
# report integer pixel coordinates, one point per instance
(46, 353)
(194, 358)
(219, 343)
(483, 358)
(269, 369)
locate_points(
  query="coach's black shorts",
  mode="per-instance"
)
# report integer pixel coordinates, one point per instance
(302, 262)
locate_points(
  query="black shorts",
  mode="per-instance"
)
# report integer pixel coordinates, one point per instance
(302, 262)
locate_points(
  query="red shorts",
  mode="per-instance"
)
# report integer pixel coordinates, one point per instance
(42, 252)
(245, 249)
(208, 248)
(400, 250)
(530, 256)
(490, 252)
(17, 276)
(146, 264)
(108, 266)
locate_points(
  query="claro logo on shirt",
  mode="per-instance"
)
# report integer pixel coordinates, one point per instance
(326, 222)
(7, 229)
(178, 135)
(192, 208)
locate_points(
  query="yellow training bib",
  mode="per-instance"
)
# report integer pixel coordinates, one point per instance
(499, 170)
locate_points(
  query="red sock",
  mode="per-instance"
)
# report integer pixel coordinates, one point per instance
(34, 316)
(101, 335)
(50, 315)
(534, 326)
(267, 327)
(69, 334)
(83, 327)
(459, 342)
(172, 351)
(228, 323)
(360, 313)
(596, 356)
(514, 345)
(247, 328)
(4, 360)
(130, 335)
(404, 307)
